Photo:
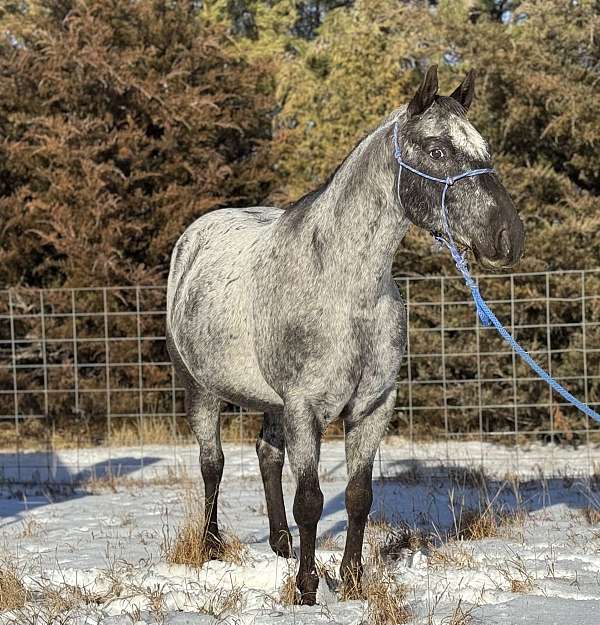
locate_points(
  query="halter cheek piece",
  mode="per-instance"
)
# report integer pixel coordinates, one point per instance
(486, 315)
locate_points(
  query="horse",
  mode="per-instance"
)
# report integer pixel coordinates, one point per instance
(294, 313)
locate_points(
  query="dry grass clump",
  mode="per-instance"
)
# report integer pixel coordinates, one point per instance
(386, 598)
(13, 594)
(514, 570)
(394, 540)
(150, 430)
(329, 542)
(402, 539)
(61, 599)
(190, 546)
(485, 522)
(474, 524)
(452, 555)
(224, 602)
(592, 515)
(288, 593)
(31, 527)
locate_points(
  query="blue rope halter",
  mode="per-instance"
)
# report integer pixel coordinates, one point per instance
(486, 315)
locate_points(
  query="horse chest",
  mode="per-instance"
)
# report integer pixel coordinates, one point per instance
(330, 354)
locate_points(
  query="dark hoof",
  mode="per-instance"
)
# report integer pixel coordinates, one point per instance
(282, 545)
(307, 585)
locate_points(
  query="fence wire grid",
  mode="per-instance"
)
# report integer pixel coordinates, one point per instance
(87, 369)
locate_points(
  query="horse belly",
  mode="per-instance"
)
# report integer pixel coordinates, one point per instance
(209, 314)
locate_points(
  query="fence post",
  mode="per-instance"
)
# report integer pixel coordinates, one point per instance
(585, 372)
(15, 381)
(140, 379)
(479, 392)
(409, 373)
(107, 372)
(514, 370)
(444, 382)
(49, 425)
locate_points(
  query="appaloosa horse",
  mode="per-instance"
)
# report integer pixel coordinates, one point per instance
(295, 313)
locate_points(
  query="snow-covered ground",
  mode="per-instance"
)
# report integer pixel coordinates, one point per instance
(93, 554)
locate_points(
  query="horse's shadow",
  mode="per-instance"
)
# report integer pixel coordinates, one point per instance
(434, 499)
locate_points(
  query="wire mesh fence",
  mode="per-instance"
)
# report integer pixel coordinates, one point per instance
(87, 369)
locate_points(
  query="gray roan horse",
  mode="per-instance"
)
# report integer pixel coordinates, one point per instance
(295, 313)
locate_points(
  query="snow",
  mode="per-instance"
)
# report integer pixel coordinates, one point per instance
(542, 567)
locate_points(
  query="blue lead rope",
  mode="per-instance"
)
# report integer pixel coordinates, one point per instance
(487, 317)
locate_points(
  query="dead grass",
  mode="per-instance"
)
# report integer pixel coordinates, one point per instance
(592, 515)
(224, 603)
(394, 540)
(473, 524)
(515, 572)
(31, 528)
(152, 431)
(173, 476)
(385, 596)
(12, 592)
(452, 556)
(486, 522)
(61, 599)
(68, 433)
(288, 593)
(330, 543)
(189, 546)
(459, 616)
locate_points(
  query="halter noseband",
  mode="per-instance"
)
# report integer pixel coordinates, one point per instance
(448, 240)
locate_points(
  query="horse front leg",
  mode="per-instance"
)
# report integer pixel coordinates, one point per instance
(303, 443)
(363, 436)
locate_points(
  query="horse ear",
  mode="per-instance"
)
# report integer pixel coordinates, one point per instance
(465, 92)
(426, 93)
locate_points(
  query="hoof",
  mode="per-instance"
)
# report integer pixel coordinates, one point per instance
(282, 545)
(307, 585)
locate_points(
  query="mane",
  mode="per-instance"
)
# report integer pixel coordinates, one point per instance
(309, 198)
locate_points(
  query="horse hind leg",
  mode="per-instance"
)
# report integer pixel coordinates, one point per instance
(203, 412)
(270, 448)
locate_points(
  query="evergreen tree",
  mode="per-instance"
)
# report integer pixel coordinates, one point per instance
(121, 122)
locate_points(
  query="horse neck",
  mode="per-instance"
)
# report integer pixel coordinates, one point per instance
(357, 217)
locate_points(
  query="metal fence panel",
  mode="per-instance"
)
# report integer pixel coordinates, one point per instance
(82, 368)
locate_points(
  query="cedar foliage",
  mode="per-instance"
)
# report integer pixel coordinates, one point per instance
(121, 123)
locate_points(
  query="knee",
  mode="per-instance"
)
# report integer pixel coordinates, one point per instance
(308, 503)
(359, 496)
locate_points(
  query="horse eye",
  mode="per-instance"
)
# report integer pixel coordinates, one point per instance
(436, 153)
